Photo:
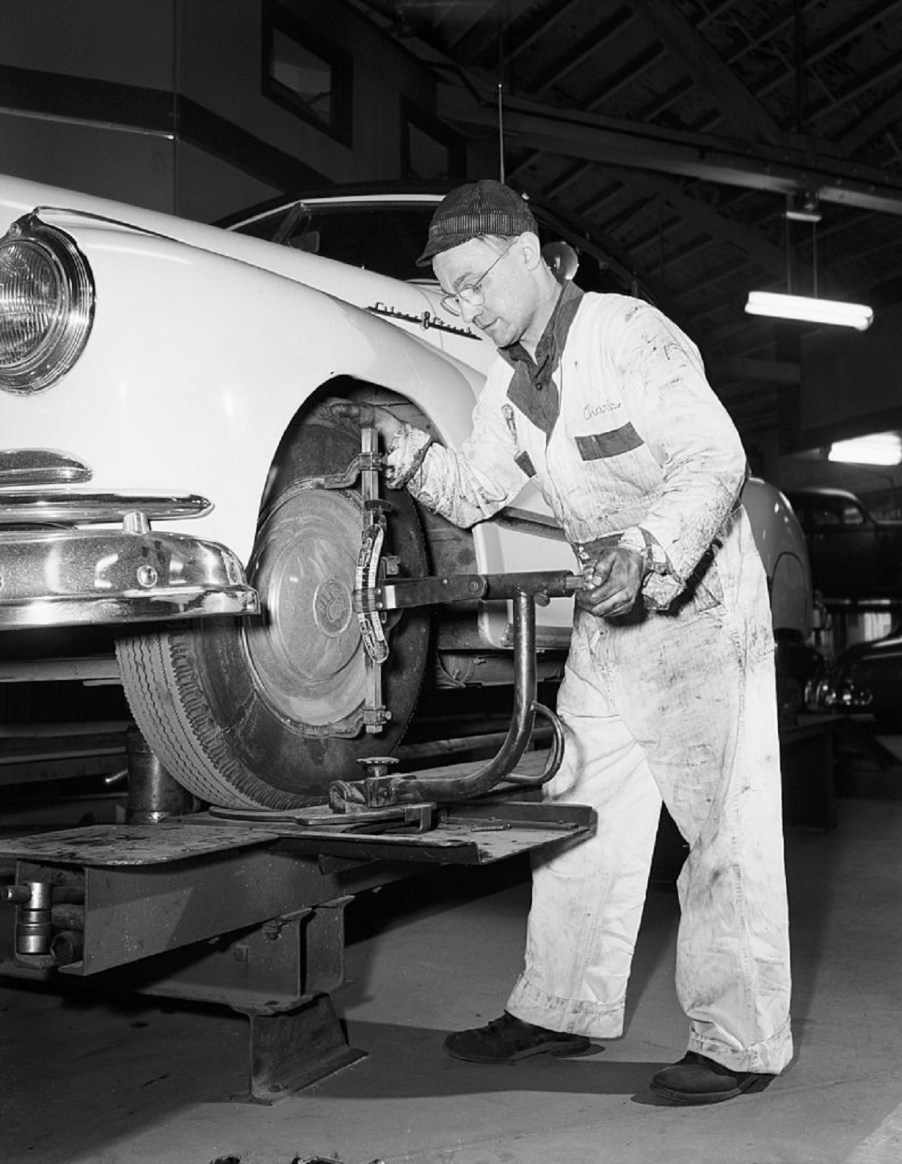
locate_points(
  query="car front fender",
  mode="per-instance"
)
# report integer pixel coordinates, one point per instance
(197, 364)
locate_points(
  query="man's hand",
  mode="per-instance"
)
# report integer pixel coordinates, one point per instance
(363, 413)
(611, 583)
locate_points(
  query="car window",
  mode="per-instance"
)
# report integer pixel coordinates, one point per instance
(388, 238)
(823, 513)
(852, 515)
(380, 238)
(836, 511)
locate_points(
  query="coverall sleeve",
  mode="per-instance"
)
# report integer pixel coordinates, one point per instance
(687, 430)
(469, 484)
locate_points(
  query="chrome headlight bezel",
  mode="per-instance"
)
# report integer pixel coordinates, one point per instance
(69, 313)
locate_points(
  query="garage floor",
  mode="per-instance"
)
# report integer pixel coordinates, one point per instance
(88, 1079)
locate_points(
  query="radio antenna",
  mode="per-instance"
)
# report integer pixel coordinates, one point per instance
(500, 131)
(502, 12)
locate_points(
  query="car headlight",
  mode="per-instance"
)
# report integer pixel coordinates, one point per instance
(46, 305)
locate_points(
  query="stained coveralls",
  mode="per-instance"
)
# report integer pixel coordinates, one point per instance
(619, 428)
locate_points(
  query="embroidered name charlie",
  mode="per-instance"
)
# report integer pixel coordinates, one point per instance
(592, 410)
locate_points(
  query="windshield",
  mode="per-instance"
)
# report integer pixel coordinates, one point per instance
(379, 237)
(388, 237)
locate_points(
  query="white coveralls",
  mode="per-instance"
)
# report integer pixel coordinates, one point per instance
(676, 701)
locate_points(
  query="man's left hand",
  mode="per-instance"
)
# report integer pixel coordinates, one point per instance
(611, 583)
(362, 412)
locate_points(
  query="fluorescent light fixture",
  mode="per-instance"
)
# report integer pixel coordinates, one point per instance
(803, 215)
(880, 448)
(856, 315)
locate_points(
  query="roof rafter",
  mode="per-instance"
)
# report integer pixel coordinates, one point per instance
(708, 70)
(781, 170)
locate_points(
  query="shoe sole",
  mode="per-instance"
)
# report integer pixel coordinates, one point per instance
(690, 1099)
(559, 1050)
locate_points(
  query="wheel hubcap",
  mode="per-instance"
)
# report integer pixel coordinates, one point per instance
(306, 649)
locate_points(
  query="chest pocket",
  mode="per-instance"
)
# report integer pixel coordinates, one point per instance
(596, 446)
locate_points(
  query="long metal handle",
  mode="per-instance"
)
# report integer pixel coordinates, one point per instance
(398, 789)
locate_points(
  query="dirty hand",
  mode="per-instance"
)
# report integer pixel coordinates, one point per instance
(362, 412)
(611, 583)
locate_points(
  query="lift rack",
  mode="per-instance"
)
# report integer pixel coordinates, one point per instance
(246, 907)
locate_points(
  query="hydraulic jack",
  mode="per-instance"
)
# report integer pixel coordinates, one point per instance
(381, 789)
(246, 908)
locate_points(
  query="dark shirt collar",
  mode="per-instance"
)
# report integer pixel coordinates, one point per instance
(532, 388)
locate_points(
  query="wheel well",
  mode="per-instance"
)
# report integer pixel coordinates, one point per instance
(449, 547)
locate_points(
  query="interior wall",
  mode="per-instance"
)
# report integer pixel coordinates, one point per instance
(130, 166)
(50, 131)
(162, 103)
(850, 381)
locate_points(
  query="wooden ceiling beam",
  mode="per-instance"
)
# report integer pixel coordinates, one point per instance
(558, 10)
(452, 20)
(781, 170)
(708, 70)
(877, 118)
(699, 215)
(554, 72)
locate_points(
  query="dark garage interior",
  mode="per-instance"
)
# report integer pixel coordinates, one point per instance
(202, 961)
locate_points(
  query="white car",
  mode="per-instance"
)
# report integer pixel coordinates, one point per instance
(170, 472)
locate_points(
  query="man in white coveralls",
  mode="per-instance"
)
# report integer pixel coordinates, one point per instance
(669, 688)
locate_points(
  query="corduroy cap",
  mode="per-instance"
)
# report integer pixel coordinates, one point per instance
(473, 210)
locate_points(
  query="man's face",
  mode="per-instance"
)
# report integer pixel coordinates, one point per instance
(496, 292)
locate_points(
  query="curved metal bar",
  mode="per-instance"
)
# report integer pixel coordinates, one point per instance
(403, 789)
(522, 719)
(555, 757)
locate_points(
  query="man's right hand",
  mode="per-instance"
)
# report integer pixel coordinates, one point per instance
(363, 413)
(611, 583)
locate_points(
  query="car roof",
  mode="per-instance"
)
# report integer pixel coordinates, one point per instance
(399, 193)
(820, 491)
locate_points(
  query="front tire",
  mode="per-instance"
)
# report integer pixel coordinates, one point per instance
(267, 711)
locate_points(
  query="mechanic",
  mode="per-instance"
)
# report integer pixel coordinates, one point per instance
(669, 689)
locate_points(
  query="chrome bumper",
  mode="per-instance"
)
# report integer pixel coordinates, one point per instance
(74, 576)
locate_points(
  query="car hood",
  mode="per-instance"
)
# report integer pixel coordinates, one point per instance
(412, 306)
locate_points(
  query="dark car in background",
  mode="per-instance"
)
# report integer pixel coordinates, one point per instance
(867, 677)
(852, 553)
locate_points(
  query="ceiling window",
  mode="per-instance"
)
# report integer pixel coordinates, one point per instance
(306, 74)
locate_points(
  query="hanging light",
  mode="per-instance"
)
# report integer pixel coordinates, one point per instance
(810, 309)
(833, 311)
(879, 448)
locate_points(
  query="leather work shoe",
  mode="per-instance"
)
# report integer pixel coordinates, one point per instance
(698, 1079)
(508, 1040)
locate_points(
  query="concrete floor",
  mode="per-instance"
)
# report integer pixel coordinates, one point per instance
(88, 1079)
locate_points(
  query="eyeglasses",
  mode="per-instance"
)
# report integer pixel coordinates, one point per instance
(470, 292)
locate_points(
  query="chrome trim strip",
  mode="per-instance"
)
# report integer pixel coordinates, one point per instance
(107, 611)
(72, 577)
(96, 669)
(45, 506)
(425, 319)
(20, 467)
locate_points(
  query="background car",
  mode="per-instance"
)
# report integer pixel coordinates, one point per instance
(852, 553)
(156, 372)
(866, 677)
(782, 545)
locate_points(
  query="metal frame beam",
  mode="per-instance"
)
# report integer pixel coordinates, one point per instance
(781, 170)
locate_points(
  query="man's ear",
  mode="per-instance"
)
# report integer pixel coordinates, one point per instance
(531, 249)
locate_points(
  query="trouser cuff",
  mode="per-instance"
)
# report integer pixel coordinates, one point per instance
(769, 1058)
(568, 1015)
